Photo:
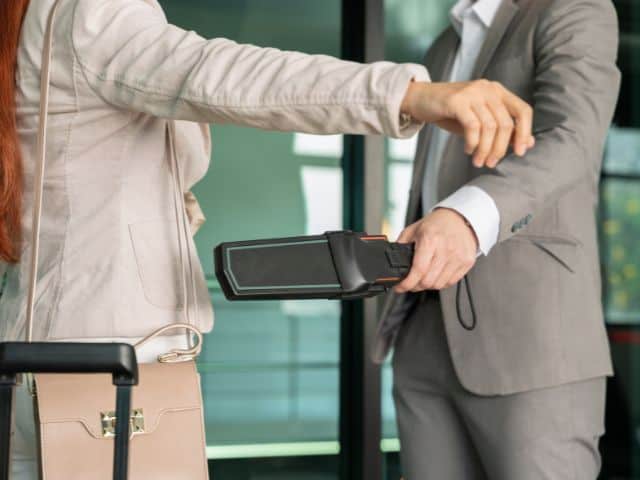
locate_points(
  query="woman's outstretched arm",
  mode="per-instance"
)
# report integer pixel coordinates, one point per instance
(134, 59)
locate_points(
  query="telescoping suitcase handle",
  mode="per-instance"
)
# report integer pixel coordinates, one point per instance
(118, 359)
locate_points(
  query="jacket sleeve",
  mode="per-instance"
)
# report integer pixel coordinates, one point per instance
(133, 59)
(574, 97)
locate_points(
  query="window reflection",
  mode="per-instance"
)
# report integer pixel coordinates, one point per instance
(270, 369)
(620, 255)
(322, 188)
(318, 145)
(623, 152)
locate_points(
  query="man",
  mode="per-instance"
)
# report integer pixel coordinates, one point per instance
(501, 375)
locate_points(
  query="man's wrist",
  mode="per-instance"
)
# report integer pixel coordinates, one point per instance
(466, 222)
(480, 210)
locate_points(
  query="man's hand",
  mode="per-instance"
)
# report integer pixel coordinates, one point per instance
(445, 250)
(488, 116)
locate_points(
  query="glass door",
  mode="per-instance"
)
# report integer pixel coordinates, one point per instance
(270, 370)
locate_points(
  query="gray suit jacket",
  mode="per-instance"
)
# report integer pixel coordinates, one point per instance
(537, 294)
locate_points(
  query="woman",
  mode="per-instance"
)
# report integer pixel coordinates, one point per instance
(119, 71)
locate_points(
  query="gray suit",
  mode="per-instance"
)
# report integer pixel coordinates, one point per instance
(537, 294)
(522, 395)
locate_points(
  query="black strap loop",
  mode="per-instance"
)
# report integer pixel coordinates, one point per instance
(474, 319)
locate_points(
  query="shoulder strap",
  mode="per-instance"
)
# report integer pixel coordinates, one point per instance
(179, 205)
(45, 78)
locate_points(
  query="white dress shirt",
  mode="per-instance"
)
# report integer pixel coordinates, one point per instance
(471, 20)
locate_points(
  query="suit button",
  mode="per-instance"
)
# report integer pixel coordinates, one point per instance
(516, 226)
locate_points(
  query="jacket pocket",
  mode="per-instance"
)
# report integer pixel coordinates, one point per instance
(155, 246)
(563, 250)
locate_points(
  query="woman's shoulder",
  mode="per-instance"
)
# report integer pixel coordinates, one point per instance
(104, 24)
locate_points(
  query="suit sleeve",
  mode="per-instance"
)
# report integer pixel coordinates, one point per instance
(134, 59)
(575, 92)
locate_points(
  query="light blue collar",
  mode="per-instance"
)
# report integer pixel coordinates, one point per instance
(485, 10)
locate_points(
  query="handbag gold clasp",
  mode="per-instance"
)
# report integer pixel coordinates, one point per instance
(108, 422)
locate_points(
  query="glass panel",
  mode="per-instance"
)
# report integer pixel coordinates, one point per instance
(410, 27)
(620, 217)
(621, 156)
(620, 232)
(270, 369)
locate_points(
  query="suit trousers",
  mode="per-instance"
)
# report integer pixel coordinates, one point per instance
(24, 453)
(449, 433)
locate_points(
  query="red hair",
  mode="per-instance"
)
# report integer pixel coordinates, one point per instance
(11, 16)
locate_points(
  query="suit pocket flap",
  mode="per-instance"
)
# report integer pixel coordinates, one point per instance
(564, 254)
(561, 249)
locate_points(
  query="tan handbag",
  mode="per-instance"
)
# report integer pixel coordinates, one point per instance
(75, 413)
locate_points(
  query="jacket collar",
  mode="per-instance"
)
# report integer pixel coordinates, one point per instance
(503, 18)
(485, 10)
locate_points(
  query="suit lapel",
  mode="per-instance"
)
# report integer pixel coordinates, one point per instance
(504, 17)
(438, 61)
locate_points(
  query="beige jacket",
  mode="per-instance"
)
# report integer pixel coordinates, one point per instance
(109, 255)
(537, 294)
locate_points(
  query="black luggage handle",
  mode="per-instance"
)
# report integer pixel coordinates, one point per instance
(336, 265)
(118, 359)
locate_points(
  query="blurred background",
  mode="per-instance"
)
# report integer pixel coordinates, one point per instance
(271, 370)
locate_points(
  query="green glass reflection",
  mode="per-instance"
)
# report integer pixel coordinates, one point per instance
(269, 369)
(620, 254)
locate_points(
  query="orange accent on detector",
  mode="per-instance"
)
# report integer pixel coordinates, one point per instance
(388, 279)
(375, 237)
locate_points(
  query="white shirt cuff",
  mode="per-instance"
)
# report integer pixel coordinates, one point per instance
(480, 211)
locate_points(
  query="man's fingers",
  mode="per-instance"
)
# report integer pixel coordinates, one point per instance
(407, 235)
(503, 135)
(487, 134)
(447, 272)
(437, 266)
(421, 264)
(522, 114)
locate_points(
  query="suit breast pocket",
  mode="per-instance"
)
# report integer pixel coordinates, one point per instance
(155, 246)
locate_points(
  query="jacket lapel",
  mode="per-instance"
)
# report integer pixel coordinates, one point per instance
(504, 17)
(438, 61)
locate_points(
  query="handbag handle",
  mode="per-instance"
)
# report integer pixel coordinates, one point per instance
(178, 201)
(176, 355)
